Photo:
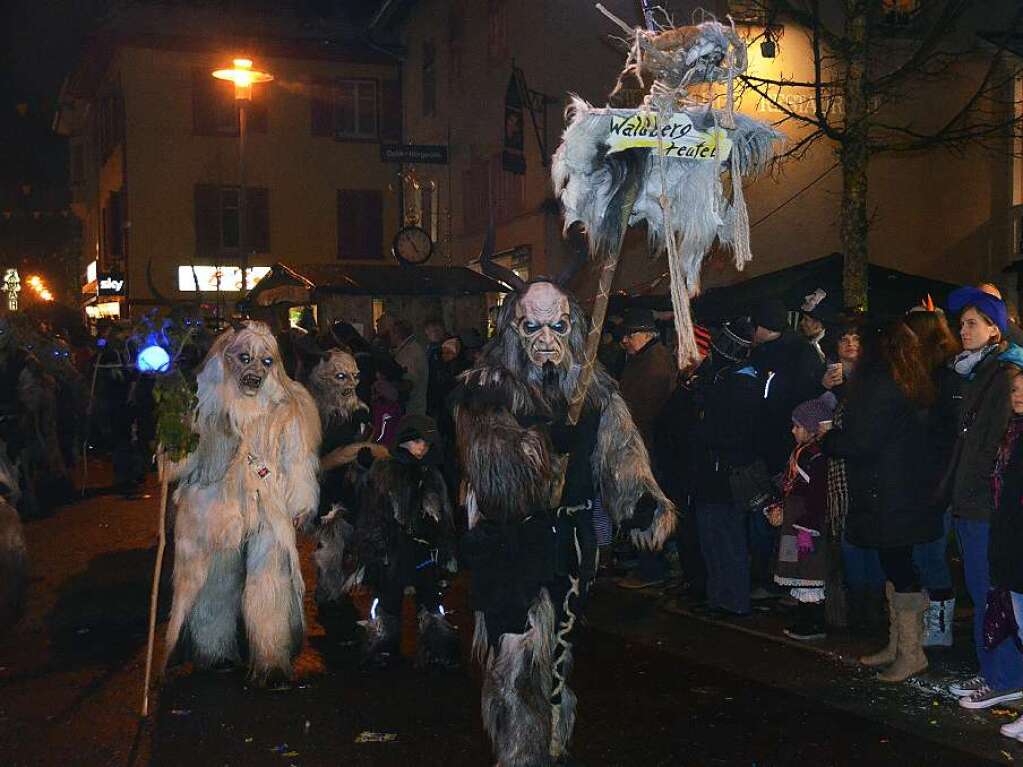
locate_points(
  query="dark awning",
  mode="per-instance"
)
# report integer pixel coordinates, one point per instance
(305, 283)
(890, 292)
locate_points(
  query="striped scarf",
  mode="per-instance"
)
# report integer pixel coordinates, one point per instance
(838, 485)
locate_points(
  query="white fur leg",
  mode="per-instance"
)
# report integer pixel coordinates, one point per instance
(516, 692)
(213, 619)
(653, 538)
(190, 569)
(272, 603)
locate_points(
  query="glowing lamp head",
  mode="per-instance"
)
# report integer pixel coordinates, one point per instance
(244, 77)
(153, 359)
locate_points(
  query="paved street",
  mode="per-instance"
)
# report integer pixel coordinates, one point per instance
(655, 688)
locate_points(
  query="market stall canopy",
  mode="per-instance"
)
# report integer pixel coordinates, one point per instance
(890, 292)
(305, 283)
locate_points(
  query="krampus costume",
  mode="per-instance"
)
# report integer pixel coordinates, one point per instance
(531, 551)
(404, 536)
(346, 421)
(251, 479)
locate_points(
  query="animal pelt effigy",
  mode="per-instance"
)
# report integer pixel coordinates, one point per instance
(677, 151)
(251, 479)
(532, 554)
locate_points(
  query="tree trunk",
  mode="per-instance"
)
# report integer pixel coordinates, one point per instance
(854, 155)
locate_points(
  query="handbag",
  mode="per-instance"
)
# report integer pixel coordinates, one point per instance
(752, 487)
(1000, 619)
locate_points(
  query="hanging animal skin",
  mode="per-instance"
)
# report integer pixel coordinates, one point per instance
(679, 151)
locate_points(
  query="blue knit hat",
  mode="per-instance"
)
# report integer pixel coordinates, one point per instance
(985, 303)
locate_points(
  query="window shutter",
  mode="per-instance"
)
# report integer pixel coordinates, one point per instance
(207, 219)
(373, 224)
(115, 229)
(322, 110)
(390, 111)
(203, 107)
(258, 110)
(360, 224)
(257, 208)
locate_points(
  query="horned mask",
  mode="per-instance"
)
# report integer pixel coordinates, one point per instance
(543, 322)
(333, 382)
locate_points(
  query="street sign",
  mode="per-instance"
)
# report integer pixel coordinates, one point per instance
(435, 154)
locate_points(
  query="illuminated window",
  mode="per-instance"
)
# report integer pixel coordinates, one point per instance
(217, 278)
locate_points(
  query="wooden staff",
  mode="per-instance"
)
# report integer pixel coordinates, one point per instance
(629, 193)
(155, 592)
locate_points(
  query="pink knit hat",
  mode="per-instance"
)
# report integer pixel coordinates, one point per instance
(810, 413)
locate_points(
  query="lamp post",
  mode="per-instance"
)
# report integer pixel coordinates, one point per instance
(244, 77)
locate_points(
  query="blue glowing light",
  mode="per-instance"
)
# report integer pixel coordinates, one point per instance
(153, 359)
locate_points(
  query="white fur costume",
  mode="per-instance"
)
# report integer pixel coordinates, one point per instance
(251, 479)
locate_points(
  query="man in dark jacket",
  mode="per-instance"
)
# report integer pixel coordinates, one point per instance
(648, 378)
(729, 403)
(647, 381)
(790, 373)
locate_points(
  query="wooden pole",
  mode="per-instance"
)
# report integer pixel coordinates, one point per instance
(155, 592)
(629, 192)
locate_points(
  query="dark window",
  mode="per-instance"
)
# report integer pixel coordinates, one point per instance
(491, 190)
(215, 111)
(346, 109)
(112, 231)
(217, 219)
(77, 162)
(497, 30)
(360, 224)
(429, 80)
(109, 122)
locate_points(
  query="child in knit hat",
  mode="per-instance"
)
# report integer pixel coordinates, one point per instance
(802, 557)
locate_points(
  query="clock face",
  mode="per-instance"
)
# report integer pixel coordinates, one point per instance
(413, 245)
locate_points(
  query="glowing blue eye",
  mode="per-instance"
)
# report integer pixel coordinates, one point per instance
(559, 327)
(245, 357)
(268, 361)
(530, 326)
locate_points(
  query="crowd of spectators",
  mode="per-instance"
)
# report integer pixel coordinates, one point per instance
(831, 465)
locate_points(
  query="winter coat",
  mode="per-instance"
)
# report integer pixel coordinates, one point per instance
(1005, 547)
(805, 506)
(794, 370)
(888, 446)
(728, 408)
(980, 407)
(646, 383)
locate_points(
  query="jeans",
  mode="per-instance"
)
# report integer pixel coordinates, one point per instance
(862, 568)
(1017, 608)
(1002, 667)
(932, 563)
(897, 563)
(723, 530)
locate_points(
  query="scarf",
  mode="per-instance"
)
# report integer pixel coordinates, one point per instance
(794, 471)
(1004, 455)
(838, 484)
(966, 361)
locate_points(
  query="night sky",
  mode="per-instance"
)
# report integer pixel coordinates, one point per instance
(42, 40)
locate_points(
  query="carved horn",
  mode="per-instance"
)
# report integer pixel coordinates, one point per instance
(494, 270)
(579, 251)
(152, 285)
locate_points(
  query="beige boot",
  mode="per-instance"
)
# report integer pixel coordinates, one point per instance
(886, 655)
(910, 659)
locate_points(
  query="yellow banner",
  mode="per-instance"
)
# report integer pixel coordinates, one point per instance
(678, 137)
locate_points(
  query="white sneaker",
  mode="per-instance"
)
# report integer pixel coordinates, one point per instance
(986, 698)
(967, 686)
(1013, 729)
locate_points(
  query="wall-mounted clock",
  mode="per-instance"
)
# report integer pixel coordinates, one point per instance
(412, 245)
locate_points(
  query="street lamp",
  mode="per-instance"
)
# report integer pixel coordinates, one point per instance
(244, 77)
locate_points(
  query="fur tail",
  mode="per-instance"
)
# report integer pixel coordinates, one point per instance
(517, 690)
(13, 565)
(438, 641)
